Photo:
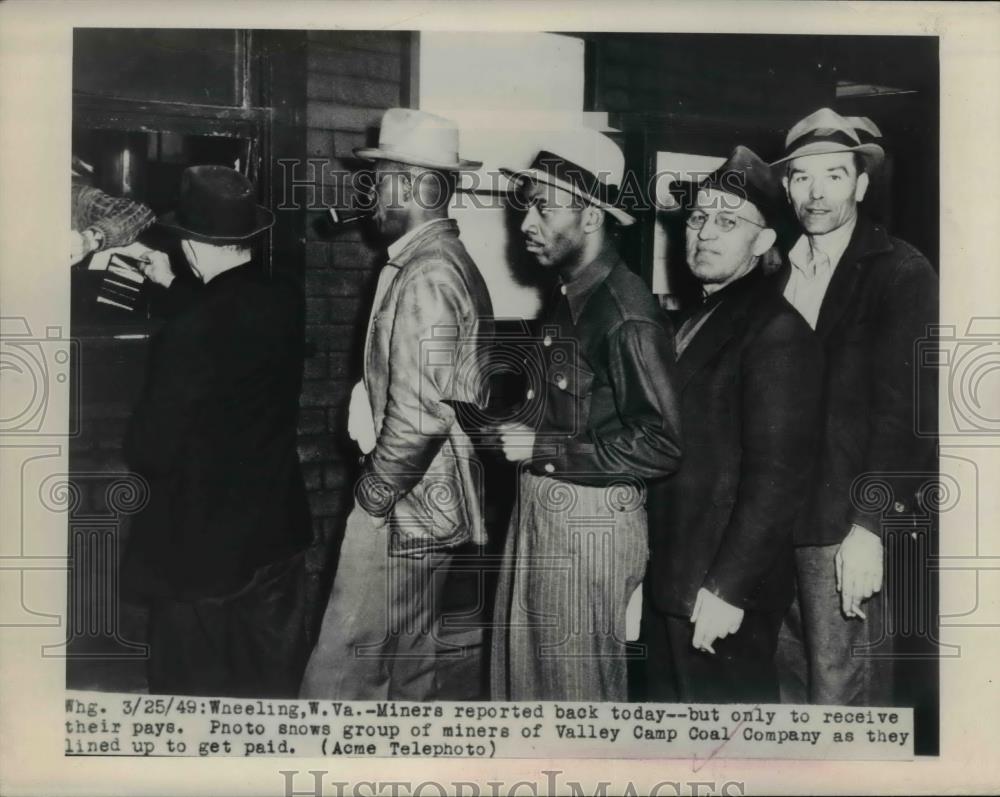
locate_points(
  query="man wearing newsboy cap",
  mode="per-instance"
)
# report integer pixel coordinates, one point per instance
(604, 420)
(420, 492)
(870, 297)
(749, 373)
(217, 550)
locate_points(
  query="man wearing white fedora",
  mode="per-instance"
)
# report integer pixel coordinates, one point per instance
(870, 297)
(606, 422)
(420, 491)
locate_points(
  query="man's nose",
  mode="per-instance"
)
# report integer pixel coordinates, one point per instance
(708, 230)
(816, 190)
(530, 222)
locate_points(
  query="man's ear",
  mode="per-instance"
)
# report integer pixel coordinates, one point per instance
(191, 253)
(862, 187)
(593, 218)
(406, 186)
(765, 240)
(784, 182)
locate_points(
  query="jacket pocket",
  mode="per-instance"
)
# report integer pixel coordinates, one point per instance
(433, 514)
(570, 389)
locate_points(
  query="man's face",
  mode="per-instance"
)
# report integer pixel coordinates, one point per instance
(825, 190)
(724, 236)
(553, 226)
(390, 192)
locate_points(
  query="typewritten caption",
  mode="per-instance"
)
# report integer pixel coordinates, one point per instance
(99, 723)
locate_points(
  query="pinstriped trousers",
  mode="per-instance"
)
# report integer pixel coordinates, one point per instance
(573, 557)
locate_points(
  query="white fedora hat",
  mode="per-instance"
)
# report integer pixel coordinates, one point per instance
(585, 163)
(418, 138)
(825, 131)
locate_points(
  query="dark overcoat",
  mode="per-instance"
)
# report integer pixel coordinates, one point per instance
(214, 433)
(750, 388)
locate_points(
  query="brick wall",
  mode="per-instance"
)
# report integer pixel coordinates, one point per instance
(353, 76)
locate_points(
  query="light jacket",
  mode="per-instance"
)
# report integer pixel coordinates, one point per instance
(423, 359)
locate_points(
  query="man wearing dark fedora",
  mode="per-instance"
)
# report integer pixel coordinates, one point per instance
(216, 553)
(748, 373)
(603, 420)
(870, 297)
(420, 492)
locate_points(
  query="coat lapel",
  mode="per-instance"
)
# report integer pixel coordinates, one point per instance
(867, 239)
(720, 327)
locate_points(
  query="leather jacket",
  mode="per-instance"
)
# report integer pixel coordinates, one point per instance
(422, 358)
(607, 406)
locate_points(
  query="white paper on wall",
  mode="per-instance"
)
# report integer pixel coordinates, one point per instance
(505, 91)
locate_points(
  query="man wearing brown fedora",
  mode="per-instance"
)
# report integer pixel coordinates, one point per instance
(217, 551)
(420, 491)
(870, 297)
(604, 421)
(749, 373)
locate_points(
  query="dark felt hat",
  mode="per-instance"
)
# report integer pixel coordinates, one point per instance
(744, 175)
(217, 205)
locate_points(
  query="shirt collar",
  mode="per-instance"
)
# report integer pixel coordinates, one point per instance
(580, 288)
(832, 245)
(397, 246)
(213, 272)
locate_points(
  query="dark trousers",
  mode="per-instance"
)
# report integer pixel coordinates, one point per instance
(250, 644)
(741, 670)
(824, 657)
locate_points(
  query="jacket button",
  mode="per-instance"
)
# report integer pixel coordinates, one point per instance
(531, 393)
(547, 340)
(899, 506)
(562, 289)
(550, 468)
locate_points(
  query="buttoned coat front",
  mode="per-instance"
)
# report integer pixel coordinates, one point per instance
(878, 308)
(750, 387)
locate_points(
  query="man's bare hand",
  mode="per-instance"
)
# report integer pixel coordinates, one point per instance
(713, 619)
(518, 441)
(156, 267)
(859, 569)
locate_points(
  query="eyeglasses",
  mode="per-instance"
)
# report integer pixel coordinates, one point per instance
(727, 223)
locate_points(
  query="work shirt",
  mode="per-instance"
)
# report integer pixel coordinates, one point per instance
(813, 263)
